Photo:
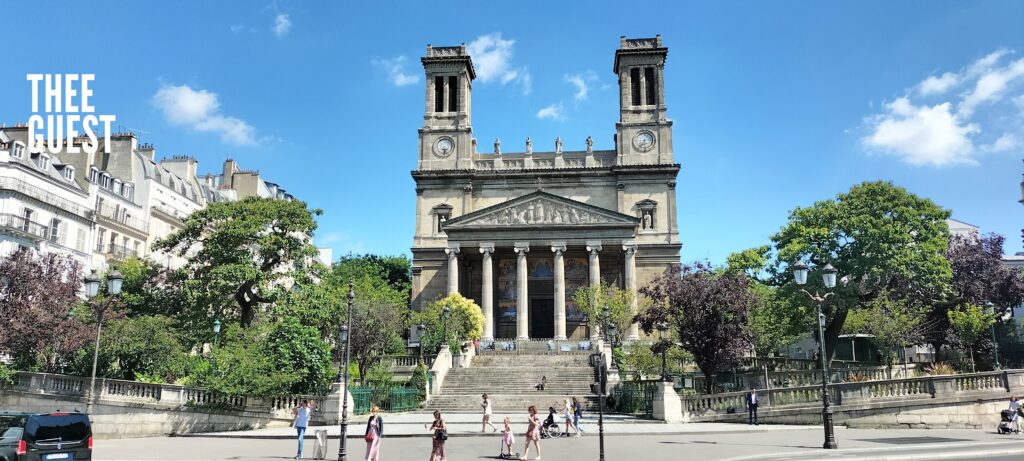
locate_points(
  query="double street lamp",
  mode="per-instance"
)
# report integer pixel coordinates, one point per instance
(92, 288)
(664, 345)
(1007, 314)
(828, 275)
(599, 388)
(343, 338)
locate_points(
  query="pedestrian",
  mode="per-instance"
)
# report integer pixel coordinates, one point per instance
(577, 414)
(487, 415)
(440, 430)
(506, 436)
(1015, 408)
(532, 434)
(374, 432)
(569, 409)
(543, 382)
(301, 414)
(752, 402)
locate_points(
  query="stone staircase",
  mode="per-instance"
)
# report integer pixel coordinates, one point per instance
(509, 380)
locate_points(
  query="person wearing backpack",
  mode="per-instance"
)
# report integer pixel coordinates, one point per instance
(577, 414)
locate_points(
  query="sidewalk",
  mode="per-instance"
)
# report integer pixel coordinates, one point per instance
(468, 425)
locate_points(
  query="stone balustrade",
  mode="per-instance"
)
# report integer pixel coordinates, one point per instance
(873, 401)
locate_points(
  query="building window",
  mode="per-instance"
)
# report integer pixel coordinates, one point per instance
(44, 162)
(93, 174)
(69, 173)
(100, 238)
(19, 150)
(652, 86)
(116, 187)
(105, 181)
(453, 93)
(27, 215)
(128, 191)
(54, 229)
(438, 94)
(634, 85)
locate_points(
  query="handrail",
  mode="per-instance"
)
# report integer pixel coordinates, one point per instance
(22, 187)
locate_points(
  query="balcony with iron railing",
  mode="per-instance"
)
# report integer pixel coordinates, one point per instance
(115, 214)
(40, 194)
(121, 252)
(23, 226)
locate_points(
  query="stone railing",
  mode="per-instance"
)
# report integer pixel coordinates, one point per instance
(409, 360)
(981, 386)
(535, 346)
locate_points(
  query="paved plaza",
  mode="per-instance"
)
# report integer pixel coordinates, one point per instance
(702, 442)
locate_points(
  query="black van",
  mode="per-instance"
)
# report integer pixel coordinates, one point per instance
(45, 437)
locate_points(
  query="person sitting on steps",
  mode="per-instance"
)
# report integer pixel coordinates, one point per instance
(543, 382)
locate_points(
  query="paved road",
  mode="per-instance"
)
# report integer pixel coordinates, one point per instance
(797, 445)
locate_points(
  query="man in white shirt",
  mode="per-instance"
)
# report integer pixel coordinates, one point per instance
(1014, 407)
(301, 414)
(752, 402)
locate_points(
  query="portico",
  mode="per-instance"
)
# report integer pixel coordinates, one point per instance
(534, 238)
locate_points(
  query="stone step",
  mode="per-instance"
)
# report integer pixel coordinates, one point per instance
(504, 403)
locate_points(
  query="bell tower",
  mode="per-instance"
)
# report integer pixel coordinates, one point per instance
(446, 138)
(643, 132)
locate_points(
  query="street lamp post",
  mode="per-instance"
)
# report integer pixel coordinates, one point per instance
(92, 288)
(609, 331)
(216, 341)
(421, 330)
(444, 319)
(664, 344)
(343, 337)
(829, 279)
(1006, 315)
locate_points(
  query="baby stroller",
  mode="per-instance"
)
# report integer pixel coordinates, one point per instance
(550, 428)
(1006, 423)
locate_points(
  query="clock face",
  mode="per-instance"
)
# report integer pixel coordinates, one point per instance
(644, 140)
(444, 147)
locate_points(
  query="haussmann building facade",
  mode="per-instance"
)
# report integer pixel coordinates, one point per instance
(519, 232)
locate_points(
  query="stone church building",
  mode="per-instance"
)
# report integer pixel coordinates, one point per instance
(519, 232)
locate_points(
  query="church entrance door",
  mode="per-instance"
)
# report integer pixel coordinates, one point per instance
(542, 318)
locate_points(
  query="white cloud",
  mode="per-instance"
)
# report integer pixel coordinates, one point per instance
(949, 130)
(395, 68)
(342, 243)
(938, 85)
(236, 28)
(492, 59)
(582, 82)
(991, 86)
(922, 135)
(282, 24)
(552, 112)
(200, 111)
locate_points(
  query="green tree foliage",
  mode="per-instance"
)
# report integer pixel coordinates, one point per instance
(144, 290)
(774, 320)
(38, 297)
(708, 311)
(418, 381)
(893, 323)
(593, 300)
(643, 361)
(270, 358)
(879, 237)
(239, 254)
(146, 346)
(970, 321)
(465, 322)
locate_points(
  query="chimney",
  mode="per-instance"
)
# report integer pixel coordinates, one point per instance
(229, 173)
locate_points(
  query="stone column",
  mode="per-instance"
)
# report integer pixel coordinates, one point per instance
(630, 248)
(522, 294)
(453, 267)
(593, 248)
(558, 248)
(487, 295)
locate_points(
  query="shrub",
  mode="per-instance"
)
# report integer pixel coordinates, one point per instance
(940, 368)
(7, 376)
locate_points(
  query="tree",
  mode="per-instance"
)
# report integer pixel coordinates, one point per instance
(979, 277)
(38, 296)
(644, 361)
(241, 253)
(144, 290)
(893, 323)
(465, 321)
(376, 326)
(708, 311)
(970, 322)
(879, 237)
(774, 321)
(139, 347)
(618, 301)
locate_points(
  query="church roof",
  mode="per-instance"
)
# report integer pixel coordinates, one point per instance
(541, 209)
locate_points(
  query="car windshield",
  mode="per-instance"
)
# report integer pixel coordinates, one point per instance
(11, 427)
(55, 428)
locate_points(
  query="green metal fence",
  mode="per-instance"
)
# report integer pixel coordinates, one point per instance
(388, 398)
(635, 398)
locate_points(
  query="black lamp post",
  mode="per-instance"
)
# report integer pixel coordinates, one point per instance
(1006, 315)
(828, 275)
(421, 330)
(444, 319)
(216, 340)
(343, 337)
(92, 288)
(609, 332)
(664, 344)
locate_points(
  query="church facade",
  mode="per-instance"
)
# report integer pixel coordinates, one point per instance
(519, 232)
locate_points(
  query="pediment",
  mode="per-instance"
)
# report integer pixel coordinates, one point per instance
(541, 209)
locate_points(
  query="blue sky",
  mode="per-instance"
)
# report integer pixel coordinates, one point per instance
(776, 104)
